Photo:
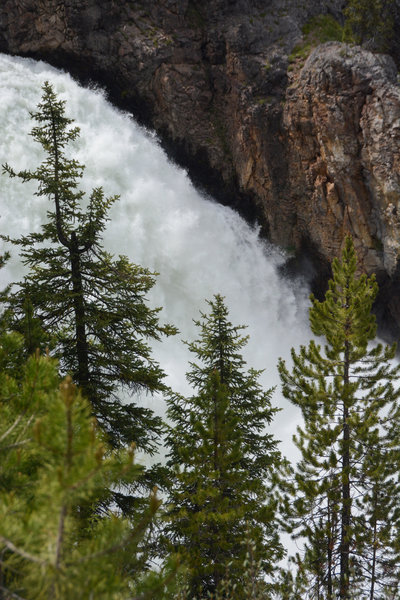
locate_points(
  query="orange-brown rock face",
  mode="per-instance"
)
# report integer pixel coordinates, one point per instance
(313, 151)
(342, 118)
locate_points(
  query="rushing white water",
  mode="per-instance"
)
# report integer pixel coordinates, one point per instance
(198, 247)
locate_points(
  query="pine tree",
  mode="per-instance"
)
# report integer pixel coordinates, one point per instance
(53, 459)
(370, 21)
(343, 391)
(91, 306)
(226, 465)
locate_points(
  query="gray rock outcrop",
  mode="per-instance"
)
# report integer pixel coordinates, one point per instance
(312, 148)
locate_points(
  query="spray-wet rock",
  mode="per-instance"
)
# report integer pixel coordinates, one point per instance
(311, 147)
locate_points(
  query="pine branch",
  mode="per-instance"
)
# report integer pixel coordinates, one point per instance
(21, 552)
(11, 594)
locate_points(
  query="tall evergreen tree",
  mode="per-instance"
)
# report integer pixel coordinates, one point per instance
(226, 465)
(343, 391)
(53, 459)
(91, 305)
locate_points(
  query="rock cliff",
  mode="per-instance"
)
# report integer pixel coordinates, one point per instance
(310, 147)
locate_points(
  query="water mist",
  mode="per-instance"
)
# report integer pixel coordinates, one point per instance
(198, 247)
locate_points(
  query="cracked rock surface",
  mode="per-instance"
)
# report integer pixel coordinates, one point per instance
(311, 147)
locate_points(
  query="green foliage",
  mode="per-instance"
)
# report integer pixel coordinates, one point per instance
(293, 586)
(348, 463)
(226, 466)
(323, 28)
(370, 21)
(91, 306)
(252, 585)
(320, 29)
(54, 460)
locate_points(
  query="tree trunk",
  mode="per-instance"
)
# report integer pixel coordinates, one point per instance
(346, 501)
(217, 472)
(330, 553)
(82, 352)
(374, 545)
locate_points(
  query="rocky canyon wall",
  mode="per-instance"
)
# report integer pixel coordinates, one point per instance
(310, 146)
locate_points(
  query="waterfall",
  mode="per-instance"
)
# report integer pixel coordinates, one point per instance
(161, 221)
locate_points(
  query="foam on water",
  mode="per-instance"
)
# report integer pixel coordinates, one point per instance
(198, 247)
